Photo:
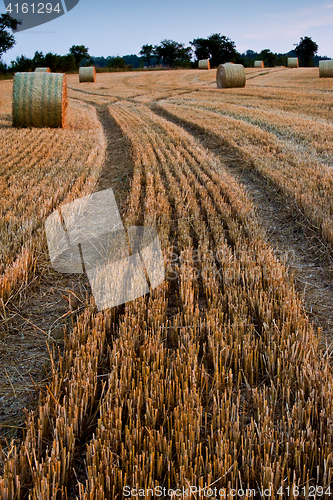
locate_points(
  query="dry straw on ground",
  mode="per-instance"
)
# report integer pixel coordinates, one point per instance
(87, 74)
(204, 64)
(326, 69)
(230, 75)
(259, 64)
(215, 378)
(39, 100)
(292, 62)
(42, 70)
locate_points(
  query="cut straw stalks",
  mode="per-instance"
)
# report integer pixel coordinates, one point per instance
(230, 75)
(87, 74)
(42, 70)
(236, 382)
(223, 387)
(294, 178)
(39, 100)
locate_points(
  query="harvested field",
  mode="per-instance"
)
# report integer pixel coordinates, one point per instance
(39, 170)
(219, 378)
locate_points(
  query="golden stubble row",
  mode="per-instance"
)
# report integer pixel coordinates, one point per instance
(41, 466)
(297, 171)
(315, 136)
(230, 387)
(215, 376)
(294, 79)
(314, 105)
(142, 85)
(38, 171)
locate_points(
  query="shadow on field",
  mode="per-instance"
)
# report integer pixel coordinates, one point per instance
(117, 171)
(292, 236)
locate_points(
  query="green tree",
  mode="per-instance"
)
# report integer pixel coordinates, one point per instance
(53, 61)
(38, 59)
(170, 52)
(117, 63)
(79, 52)
(248, 58)
(22, 63)
(66, 63)
(269, 58)
(7, 40)
(184, 57)
(157, 52)
(305, 51)
(3, 67)
(201, 48)
(147, 51)
(218, 48)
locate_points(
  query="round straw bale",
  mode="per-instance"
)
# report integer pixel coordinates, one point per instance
(230, 75)
(42, 70)
(204, 64)
(39, 100)
(87, 74)
(292, 62)
(259, 64)
(326, 68)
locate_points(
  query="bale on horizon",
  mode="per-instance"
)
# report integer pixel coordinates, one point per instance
(87, 74)
(42, 70)
(326, 68)
(39, 100)
(230, 75)
(204, 64)
(293, 62)
(259, 64)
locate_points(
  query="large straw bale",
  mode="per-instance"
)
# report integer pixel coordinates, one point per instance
(259, 64)
(326, 68)
(87, 74)
(42, 70)
(204, 64)
(39, 100)
(292, 62)
(230, 75)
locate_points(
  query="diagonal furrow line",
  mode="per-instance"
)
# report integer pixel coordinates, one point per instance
(286, 227)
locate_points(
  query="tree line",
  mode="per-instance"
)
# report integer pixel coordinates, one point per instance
(169, 53)
(220, 49)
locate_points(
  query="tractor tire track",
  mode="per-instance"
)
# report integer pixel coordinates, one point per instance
(293, 237)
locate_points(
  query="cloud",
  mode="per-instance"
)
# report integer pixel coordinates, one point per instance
(329, 6)
(279, 31)
(292, 24)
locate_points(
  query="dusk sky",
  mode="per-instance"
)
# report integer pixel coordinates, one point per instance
(110, 28)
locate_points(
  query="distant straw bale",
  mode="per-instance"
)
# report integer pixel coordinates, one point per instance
(87, 74)
(259, 64)
(230, 75)
(292, 62)
(204, 64)
(39, 100)
(42, 70)
(326, 69)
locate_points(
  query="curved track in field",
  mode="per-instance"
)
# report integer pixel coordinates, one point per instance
(216, 376)
(171, 160)
(296, 241)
